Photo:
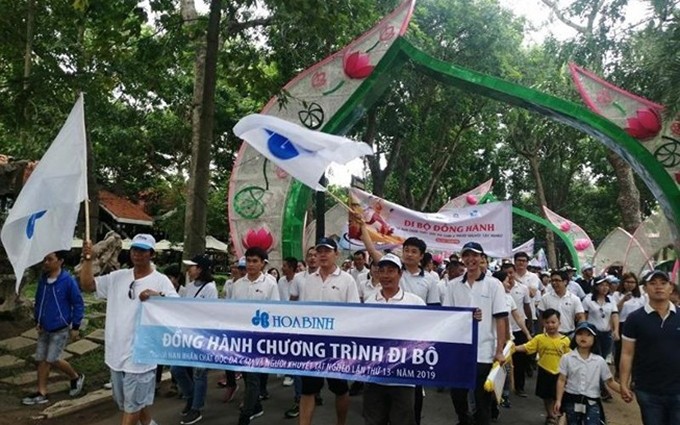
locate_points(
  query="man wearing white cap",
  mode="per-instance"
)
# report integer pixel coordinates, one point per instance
(485, 293)
(587, 280)
(124, 290)
(393, 404)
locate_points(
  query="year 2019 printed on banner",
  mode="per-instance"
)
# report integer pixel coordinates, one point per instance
(412, 345)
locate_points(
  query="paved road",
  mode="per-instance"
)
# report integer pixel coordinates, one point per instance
(438, 409)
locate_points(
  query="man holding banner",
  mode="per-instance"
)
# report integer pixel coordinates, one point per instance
(390, 404)
(254, 286)
(327, 284)
(133, 383)
(486, 293)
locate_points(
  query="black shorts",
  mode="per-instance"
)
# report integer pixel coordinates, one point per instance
(312, 385)
(546, 384)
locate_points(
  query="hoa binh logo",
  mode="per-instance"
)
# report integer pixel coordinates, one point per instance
(261, 319)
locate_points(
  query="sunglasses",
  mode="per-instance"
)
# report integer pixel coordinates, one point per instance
(602, 312)
(131, 290)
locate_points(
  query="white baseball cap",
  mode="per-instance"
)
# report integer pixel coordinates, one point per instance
(143, 241)
(390, 258)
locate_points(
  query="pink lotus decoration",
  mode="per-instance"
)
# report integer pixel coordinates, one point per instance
(358, 66)
(471, 199)
(581, 244)
(645, 125)
(319, 79)
(565, 226)
(260, 238)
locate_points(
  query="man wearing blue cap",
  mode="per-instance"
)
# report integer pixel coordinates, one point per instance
(485, 293)
(133, 383)
(327, 284)
(650, 347)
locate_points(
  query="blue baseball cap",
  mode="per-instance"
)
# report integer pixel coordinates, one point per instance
(472, 246)
(586, 326)
(144, 241)
(328, 243)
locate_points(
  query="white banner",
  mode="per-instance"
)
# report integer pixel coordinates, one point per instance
(488, 224)
(361, 342)
(527, 247)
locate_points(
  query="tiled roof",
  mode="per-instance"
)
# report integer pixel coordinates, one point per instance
(122, 210)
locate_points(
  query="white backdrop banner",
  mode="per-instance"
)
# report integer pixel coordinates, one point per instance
(488, 224)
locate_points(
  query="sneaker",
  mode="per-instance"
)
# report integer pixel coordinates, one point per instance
(222, 383)
(191, 417)
(293, 412)
(187, 408)
(318, 400)
(264, 396)
(77, 385)
(257, 414)
(229, 394)
(238, 376)
(521, 393)
(108, 386)
(505, 402)
(288, 381)
(35, 398)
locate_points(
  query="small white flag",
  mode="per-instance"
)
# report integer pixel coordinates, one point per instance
(304, 154)
(44, 214)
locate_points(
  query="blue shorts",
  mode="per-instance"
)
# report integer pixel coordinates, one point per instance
(133, 391)
(51, 344)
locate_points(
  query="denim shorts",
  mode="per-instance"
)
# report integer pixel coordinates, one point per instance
(133, 391)
(51, 344)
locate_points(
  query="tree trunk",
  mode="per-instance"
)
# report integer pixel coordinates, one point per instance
(540, 191)
(203, 108)
(629, 195)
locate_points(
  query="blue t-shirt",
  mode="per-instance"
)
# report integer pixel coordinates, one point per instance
(657, 346)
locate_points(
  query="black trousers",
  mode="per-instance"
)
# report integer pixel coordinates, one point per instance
(391, 405)
(483, 399)
(520, 362)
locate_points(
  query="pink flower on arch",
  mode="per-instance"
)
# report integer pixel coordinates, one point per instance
(319, 79)
(565, 226)
(604, 97)
(260, 238)
(358, 66)
(581, 244)
(645, 125)
(387, 33)
(471, 199)
(675, 128)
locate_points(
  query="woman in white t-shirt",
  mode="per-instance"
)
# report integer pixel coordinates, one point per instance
(628, 299)
(602, 312)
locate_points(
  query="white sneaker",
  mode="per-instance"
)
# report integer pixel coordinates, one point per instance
(288, 381)
(108, 385)
(77, 385)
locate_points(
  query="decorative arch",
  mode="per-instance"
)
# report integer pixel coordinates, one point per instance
(401, 52)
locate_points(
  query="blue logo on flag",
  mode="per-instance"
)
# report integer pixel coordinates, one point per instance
(30, 226)
(280, 146)
(261, 319)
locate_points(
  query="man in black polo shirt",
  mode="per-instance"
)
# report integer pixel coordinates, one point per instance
(650, 347)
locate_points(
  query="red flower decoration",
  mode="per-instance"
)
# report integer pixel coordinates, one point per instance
(565, 226)
(260, 238)
(358, 66)
(319, 79)
(471, 199)
(604, 97)
(675, 128)
(645, 125)
(387, 33)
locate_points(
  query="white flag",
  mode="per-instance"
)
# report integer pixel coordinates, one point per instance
(45, 212)
(527, 247)
(304, 154)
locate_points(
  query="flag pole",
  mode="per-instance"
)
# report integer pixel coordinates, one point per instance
(88, 152)
(340, 201)
(87, 219)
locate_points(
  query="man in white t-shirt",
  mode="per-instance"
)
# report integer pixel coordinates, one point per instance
(300, 277)
(531, 280)
(327, 284)
(237, 270)
(133, 383)
(568, 304)
(390, 403)
(485, 293)
(288, 275)
(254, 286)
(454, 269)
(359, 271)
(520, 295)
